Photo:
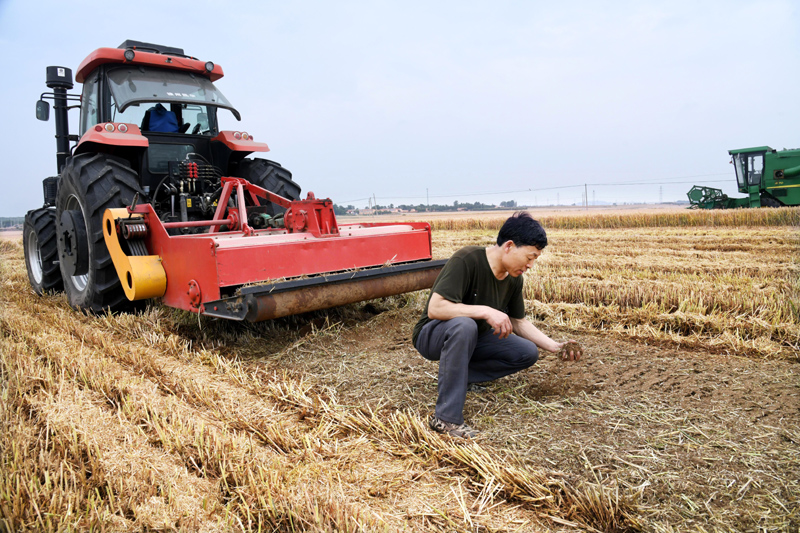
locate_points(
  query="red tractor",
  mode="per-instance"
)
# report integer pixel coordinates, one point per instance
(154, 201)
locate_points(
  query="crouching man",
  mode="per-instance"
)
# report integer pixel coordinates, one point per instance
(474, 322)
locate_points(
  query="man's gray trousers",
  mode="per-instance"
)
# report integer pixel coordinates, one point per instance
(466, 357)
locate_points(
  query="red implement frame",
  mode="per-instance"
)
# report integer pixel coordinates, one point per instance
(210, 267)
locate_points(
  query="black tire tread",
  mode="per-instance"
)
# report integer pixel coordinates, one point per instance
(271, 176)
(104, 182)
(43, 222)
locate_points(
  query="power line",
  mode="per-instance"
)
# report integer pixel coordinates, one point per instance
(583, 185)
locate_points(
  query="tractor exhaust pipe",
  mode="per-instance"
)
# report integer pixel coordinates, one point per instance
(60, 80)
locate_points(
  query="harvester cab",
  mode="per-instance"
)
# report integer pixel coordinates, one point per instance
(769, 178)
(153, 200)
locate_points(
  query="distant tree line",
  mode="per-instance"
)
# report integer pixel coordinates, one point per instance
(340, 210)
(419, 208)
(10, 222)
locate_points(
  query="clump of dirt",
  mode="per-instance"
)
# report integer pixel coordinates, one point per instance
(571, 351)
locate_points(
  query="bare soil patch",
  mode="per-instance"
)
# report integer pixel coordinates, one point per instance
(537, 211)
(11, 235)
(703, 440)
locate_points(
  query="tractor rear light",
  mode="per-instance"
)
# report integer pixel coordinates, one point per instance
(245, 136)
(109, 127)
(98, 128)
(237, 135)
(123, 128)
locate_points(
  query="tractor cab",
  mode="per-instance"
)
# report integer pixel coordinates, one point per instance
(172, 100)
(132, 94)
(158, 108)
(749, 166)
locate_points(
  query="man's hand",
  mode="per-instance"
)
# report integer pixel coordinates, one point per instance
(500, 323)
(570, 351)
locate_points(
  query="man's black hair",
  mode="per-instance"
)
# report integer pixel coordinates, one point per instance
(522, 230)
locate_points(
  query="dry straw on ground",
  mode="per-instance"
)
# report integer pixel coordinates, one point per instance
(683, 415)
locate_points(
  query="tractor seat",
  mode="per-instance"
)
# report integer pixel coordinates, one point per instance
(159, 118)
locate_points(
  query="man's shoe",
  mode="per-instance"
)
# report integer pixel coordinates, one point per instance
(474, 387)
(454, 430)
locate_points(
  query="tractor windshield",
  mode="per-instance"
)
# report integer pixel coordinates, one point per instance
(132, 85)
(749, 169)
(741, 175)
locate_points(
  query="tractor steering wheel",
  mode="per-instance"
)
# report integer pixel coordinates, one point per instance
(196, 129)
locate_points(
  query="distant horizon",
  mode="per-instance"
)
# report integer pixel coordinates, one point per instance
(679, 203)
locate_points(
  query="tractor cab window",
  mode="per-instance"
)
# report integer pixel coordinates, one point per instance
(755, 168)
(133, 114)
(749, 169)
(739, 164)
(90, 106)
(197, 117)
(193, 99)
(188, 118)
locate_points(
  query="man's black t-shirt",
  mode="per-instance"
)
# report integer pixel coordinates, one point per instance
(468, 278)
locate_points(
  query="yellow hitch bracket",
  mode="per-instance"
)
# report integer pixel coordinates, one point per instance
(142, 276)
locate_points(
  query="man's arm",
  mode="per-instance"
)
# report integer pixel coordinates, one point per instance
(440, 308)
(525, 329)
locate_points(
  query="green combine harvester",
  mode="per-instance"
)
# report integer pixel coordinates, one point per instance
(770, 178)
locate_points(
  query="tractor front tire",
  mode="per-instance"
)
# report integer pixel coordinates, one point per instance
(90, 184)
(41, 252)
(271, 176)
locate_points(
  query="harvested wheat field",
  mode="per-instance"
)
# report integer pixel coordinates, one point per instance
(684, 414)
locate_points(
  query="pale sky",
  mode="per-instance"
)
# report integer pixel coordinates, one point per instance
(468, 101)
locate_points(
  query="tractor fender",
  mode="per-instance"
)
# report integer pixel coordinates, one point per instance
(101, 137)
(236, 142)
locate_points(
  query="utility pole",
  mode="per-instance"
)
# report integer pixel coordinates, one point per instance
(427, 197)
(586, 195)
(661, 194)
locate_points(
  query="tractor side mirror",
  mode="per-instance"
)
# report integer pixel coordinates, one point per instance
(42, 110)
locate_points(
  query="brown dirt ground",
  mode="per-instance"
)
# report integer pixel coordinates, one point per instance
(703, 439)
(562, 210)
(11, 235)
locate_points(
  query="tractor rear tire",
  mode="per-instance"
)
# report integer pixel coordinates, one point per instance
(41, 252)
(90, 184)
(271, 176)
